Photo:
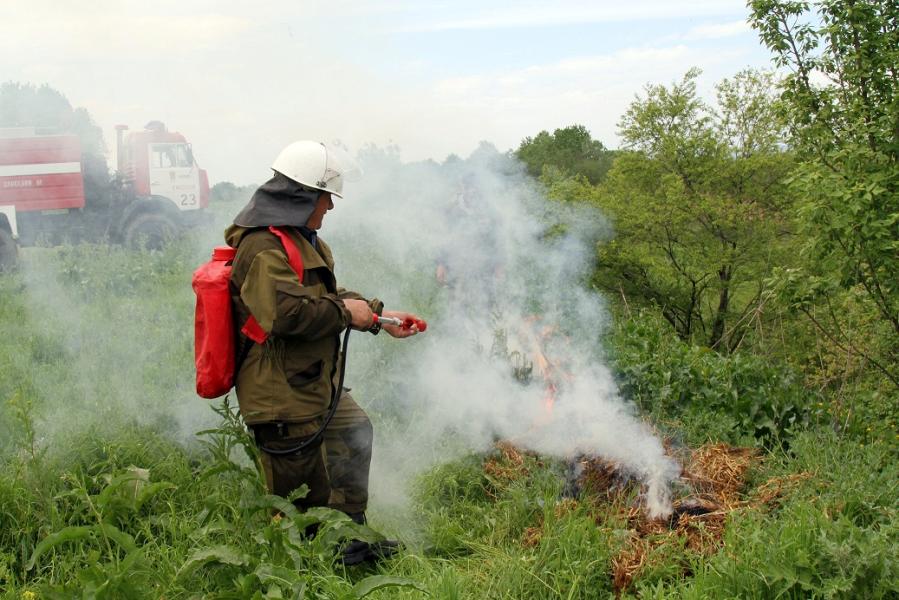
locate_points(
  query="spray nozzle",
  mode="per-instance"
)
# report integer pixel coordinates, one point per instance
(404, 323)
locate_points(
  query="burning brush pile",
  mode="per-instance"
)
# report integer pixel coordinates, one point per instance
(712, 485)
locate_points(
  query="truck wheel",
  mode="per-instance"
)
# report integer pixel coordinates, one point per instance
(150, 231)
(9, 252)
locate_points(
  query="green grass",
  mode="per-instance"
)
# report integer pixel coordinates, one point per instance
(106, 491)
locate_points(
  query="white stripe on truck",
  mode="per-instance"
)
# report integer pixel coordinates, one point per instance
(40, 169)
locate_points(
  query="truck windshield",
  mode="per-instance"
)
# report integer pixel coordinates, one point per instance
(166, 156)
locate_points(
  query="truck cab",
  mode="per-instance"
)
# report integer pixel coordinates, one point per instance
(160, 164)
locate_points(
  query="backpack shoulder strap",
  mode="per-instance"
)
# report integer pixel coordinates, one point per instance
(293, 253)
(251, 328)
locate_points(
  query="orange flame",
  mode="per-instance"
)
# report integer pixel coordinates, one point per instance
(537, 337)
(546, 371)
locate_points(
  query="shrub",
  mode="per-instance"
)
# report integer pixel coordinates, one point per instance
(669, 377)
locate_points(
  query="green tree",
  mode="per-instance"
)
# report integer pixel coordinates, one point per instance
(49, 112)
(842, 98)
(571, 150)
(225, 191)
(698, 204)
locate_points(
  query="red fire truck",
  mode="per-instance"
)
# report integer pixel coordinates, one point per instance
(157, 191)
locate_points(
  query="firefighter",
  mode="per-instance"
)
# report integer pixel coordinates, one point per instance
(284, 386)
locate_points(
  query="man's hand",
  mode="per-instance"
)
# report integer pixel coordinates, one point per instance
(397, 331)
(361, 314)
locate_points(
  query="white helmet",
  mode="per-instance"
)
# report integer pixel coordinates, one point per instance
(314, 165)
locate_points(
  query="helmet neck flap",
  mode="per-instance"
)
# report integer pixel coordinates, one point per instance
(280, 201)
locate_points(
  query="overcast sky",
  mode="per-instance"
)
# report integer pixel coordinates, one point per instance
(243, 79)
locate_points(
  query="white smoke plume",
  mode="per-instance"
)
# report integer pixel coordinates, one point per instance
(513, 346)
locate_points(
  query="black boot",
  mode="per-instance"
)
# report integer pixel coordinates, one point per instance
(355, 552)
(358, 551)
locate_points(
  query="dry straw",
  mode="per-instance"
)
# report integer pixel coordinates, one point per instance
(712, 486)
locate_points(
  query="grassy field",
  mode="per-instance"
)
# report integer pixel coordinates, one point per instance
(108, 491)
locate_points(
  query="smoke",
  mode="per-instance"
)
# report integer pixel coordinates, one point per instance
(109, 341)
(513, 347)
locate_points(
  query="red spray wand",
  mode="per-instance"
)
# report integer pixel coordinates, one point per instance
(404, 323)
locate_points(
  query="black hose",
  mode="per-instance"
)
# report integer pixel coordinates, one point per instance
(332, 409)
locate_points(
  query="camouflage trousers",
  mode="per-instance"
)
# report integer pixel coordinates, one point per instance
(336, 471)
